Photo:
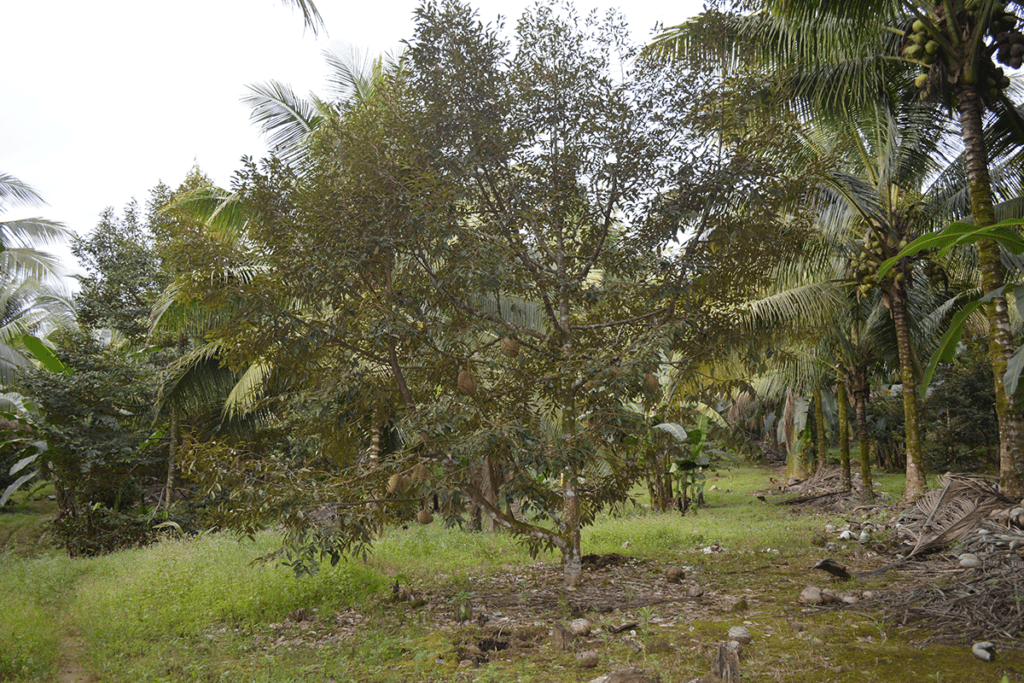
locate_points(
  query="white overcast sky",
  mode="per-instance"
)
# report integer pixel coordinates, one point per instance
(101, 100)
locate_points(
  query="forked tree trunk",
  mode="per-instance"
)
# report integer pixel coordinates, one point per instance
(916, 483)
(1011, 422)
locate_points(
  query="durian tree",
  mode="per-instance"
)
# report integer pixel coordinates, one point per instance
(834, 56)
(488, 258)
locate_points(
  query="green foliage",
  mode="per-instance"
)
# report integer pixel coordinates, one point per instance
(123, 272)
(96, 420)
(481, 197)
(962, 432)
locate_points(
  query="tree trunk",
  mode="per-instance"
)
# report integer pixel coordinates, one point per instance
(916, 483)
(572, 555)
(172, 455)
(861, 391)
(844, 433)
(821, 443)
(1011, 422)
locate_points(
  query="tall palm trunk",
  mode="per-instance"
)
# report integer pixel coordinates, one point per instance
(861, 391)
(844, 432)
(819, 434)
(916, 483)
(1011, 422)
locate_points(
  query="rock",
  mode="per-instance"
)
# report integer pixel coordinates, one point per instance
(588, 659)
(694, 591)
(970, 561)
(846, 535)
(465, 663)
(864, 537)
(630, 675)
(674, 574)
(561, 637)
(984, 651)
(869, 595)
(580, 627)
(828, 596)
(811, 596)
(734, 646)
(830, 528)
(740, 634)
(627, 544)
(850, 600)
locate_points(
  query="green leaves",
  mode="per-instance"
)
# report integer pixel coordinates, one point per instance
(1006, 233)
(43, 354)
(960, 235)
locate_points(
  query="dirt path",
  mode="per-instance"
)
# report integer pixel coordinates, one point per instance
(71, 668)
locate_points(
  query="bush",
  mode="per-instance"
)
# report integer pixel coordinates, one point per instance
(963, 431)
(97, 423)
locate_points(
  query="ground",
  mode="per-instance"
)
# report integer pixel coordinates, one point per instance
(445, 605)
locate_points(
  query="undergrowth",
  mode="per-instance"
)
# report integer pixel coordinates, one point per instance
(197, 609)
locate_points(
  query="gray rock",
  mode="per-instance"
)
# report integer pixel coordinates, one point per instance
(740, 634)
(811, 596)
(970, 561)
(674, 574)
(580, 627)
(985, 651)
(589, 659)
(694, 591)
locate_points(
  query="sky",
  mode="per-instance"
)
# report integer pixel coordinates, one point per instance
(101, 100)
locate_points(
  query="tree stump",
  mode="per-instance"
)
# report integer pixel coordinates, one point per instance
(726, 667)
(561, 638)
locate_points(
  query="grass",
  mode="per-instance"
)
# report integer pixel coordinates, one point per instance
(198, 609)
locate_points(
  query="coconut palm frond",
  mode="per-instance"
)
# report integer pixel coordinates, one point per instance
(248, 389)
(283, 117)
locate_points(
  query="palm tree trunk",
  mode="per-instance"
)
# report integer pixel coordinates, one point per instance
(916, 483)
(861, 391)
(1011, 422)
(819, 424)
(172, 456)
(844, 433)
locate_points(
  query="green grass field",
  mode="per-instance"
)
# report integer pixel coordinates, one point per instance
(199, 609)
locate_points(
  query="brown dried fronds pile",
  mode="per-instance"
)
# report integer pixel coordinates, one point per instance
(967, 508)
(986, 605)
(824, 490)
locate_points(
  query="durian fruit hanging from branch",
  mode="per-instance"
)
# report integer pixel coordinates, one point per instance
(509, 347)
(398, 483)
(424, 516)
(467, 382)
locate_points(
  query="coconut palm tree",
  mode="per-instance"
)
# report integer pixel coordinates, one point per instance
(833, 56)
(20, 256)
